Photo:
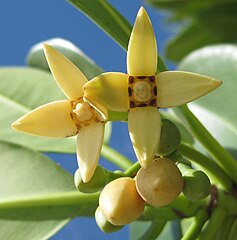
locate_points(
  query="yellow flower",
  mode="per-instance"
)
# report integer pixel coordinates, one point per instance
(70, 117)
(142, 90)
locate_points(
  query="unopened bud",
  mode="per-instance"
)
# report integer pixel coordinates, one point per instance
(197, 185)
(170, 138)
(103, 224)
(97, 182)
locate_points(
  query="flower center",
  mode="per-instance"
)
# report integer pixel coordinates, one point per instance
(83, 114)
(142, 91)
(83, 111)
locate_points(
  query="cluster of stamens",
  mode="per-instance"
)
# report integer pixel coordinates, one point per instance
(142, 91)
(83, 114)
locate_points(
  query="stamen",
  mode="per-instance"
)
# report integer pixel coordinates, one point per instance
(83, 114)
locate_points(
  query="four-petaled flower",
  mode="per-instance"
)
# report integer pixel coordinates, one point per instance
(68, 117)
(142, 90)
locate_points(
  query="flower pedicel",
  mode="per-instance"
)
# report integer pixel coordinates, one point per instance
(142, 90)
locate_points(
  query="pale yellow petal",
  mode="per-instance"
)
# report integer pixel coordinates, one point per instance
(89, 144)
(176, 87)
(144, 126)
(68, 77)
(109, 90)
(142, 49)
(49, 120)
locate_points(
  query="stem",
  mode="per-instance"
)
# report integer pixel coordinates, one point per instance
(215, 222)
(57, 199)
(219, 154)
(233, 232)
(115, 157)
(225, 229)
(227, 202)
(154, 230)
(132, 170)
(196, 225)
(180, 208)
(207, 164)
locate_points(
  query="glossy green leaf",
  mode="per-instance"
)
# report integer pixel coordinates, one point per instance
(109, 20)
(186, 8)
(37, 196)
(205, 22)
(191, 37)
(36, 57)
(21, 90)
(217, 111)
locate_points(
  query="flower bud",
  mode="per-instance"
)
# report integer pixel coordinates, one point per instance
(120, 202)
(97, 182)
(160, 183)
(170, 138)
(103, 224)
(197, 185)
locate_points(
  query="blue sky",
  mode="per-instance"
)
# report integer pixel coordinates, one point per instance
(24, 23)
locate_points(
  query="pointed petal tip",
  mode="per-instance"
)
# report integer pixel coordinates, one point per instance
(85, 174)
(142, 12)
(144, 61)
(217, 82)
(144, 164)
(16, 125)
(50, 51)
(47, 47)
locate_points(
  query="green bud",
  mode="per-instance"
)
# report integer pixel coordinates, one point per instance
(98, 181)
(103, 224)
(170, 138)
(197, 185)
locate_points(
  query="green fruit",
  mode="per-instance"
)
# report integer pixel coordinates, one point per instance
(103, 224)
(170, 138)
(98, 181)
(197, 185)
(37, 59)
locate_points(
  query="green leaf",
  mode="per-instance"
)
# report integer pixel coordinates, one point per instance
(28, 89)
(191, 37)
(21, 90)
(37, 196)
(217, 111)
(36, 57)
(205, 22)
(109, 20)
(181, 8)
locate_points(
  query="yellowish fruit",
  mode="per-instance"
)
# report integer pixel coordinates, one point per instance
(161, 183)
(120, 202)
